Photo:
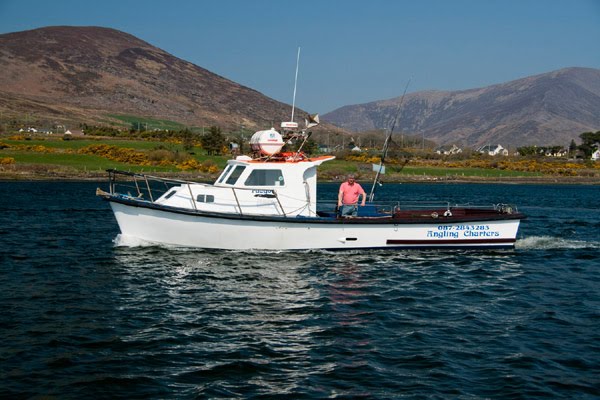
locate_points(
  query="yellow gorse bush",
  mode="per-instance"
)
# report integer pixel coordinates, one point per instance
(7, 161)
(156, 158)
(525, 165)
(27, 147)
(128, 156)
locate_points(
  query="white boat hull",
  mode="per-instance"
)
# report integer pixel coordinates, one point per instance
(235, 233)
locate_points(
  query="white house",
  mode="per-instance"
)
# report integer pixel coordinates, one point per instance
(596, 155)
(29, 130)
(556, 153)
(74, 132)
(234, 148)
(448, 150)
(493, 150)
(323, 148)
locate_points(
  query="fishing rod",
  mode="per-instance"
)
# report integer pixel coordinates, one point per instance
(386, 145)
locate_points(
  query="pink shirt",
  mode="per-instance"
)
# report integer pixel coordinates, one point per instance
(350, 193)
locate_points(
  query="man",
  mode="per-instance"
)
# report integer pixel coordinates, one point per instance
(348, 196)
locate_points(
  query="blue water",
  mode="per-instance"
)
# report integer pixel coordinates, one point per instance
(87, 315)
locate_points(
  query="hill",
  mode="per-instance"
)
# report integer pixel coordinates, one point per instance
(546, 109)
(88, 74)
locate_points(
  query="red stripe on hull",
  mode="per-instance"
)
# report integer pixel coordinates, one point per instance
(457, 241)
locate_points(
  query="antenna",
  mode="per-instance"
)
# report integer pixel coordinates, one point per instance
(295, 84)
(386, 144)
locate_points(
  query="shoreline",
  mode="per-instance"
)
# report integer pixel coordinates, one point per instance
(102, 176)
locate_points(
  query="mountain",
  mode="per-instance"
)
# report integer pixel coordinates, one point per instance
(88, 74)
(547, 109)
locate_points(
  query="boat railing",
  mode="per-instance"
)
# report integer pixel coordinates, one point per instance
(150, 188)
(391, 207)
(141, 186)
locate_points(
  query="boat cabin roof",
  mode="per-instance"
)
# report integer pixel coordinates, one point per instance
(274, 172)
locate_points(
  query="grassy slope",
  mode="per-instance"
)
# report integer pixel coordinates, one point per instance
(148, 123)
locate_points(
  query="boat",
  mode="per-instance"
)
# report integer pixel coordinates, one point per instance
(268, 201)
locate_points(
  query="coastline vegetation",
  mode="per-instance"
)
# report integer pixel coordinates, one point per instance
(183, 153)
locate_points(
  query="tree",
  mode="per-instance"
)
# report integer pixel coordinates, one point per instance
(310, 147)
(187, 139)
(213, 141)
(572, 148)
(528, 151)
(590, 142)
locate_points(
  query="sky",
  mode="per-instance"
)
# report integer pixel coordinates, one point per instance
(352, 51)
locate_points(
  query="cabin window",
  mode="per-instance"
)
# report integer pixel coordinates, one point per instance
(265, 177)
(224, 174)
(237, 171)
(170, 194)
(205, 198)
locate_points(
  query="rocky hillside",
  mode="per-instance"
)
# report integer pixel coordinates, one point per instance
(545, 109)
(86, 74)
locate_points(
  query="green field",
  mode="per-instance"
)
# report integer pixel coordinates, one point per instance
(57, 143)
(148, 123)
(83, 162)
(79, 162)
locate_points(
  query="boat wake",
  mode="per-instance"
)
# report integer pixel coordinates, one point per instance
(530, 243)
(131, 241)
(551, 243)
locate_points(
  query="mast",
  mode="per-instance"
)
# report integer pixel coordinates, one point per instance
(386, 144)
(295, 84)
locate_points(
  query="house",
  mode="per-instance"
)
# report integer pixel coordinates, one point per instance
(555, 152)
(596, 154)
(449, 150)
(234, 148)
(493, 150)
(74, 132)
(28, 130)
(323, 148)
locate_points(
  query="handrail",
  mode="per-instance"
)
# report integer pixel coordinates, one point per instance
(192, 197)
(148, 186)
(397, 205)
(157, 178)
(279, 202)
(237, 200)
(137, 187)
